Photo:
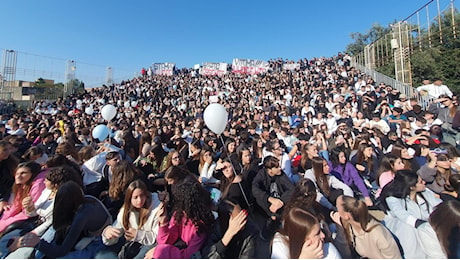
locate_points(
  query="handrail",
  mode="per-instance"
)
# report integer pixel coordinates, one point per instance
(409, 91)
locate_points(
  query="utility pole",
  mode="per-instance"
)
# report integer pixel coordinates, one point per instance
(70, 69)
(401, 52)
(8, 72)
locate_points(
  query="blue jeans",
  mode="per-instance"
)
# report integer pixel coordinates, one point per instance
(89, 252)
(295, 178)
(4, 241)
(110, 252)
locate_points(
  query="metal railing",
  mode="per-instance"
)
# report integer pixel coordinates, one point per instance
(409, 91)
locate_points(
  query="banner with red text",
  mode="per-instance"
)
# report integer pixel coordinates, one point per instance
(163, 68)
(213, 68)
(248, 66)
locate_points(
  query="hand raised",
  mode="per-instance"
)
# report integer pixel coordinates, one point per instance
(312, 250)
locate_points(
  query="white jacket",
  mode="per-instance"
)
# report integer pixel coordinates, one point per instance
(333, 183)
(146, 235)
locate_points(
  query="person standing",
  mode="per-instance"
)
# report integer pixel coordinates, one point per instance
(435, 90)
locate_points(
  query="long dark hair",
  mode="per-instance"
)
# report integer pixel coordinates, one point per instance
(454, 184)
(68, 200)
(123, 173)
(335, 153)
(145, 138)
(321, 178)
(159, 153)
(256, 152)
(400, 187)
(144, 212)
(387, 164)
(226, 182)
(447, 231)
(360, 158)
(304, 197)
(397, 150)
(298, 223)
(179, 174)
(192, 202)
(22, 190)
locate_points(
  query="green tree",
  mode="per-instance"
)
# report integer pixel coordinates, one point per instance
(48, 90)
(76, 87)
(361, 40)
(435, 54)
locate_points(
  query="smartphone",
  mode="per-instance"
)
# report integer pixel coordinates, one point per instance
(439, 151)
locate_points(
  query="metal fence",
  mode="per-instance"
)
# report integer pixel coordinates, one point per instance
(409, 91)
(434, 24)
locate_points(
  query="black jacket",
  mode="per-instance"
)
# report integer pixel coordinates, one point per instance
(243, 244)
(261, 189)
(7, 176)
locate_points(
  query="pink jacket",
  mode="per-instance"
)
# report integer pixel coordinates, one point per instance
(168, 235)
(9, 216)
(384, 179)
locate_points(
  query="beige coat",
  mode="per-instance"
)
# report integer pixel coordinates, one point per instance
(378, 243)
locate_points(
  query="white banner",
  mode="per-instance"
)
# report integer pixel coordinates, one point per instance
(247, 66)
(291, 66)
(213, 68)
(163, 68)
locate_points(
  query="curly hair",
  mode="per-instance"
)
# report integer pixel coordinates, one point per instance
(61, 174)
(61, 160)
(169, 158)
(193, 202)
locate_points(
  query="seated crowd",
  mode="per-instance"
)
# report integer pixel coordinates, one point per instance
(317, 162)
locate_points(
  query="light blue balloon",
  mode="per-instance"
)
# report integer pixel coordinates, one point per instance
(101, 132)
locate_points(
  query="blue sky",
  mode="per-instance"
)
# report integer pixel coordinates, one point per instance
(129, 35)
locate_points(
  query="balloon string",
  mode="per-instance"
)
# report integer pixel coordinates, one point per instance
(234, 171)
(228, 155)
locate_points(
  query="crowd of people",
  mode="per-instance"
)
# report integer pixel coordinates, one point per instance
(316, 162)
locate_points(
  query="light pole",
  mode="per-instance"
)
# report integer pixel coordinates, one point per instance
(71, 67)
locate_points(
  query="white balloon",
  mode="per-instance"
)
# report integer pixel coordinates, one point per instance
(127, 104)
(71, 113)
(133, 103)
(89, 110)
(108, 112)
(79, 102)
(215, 117)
